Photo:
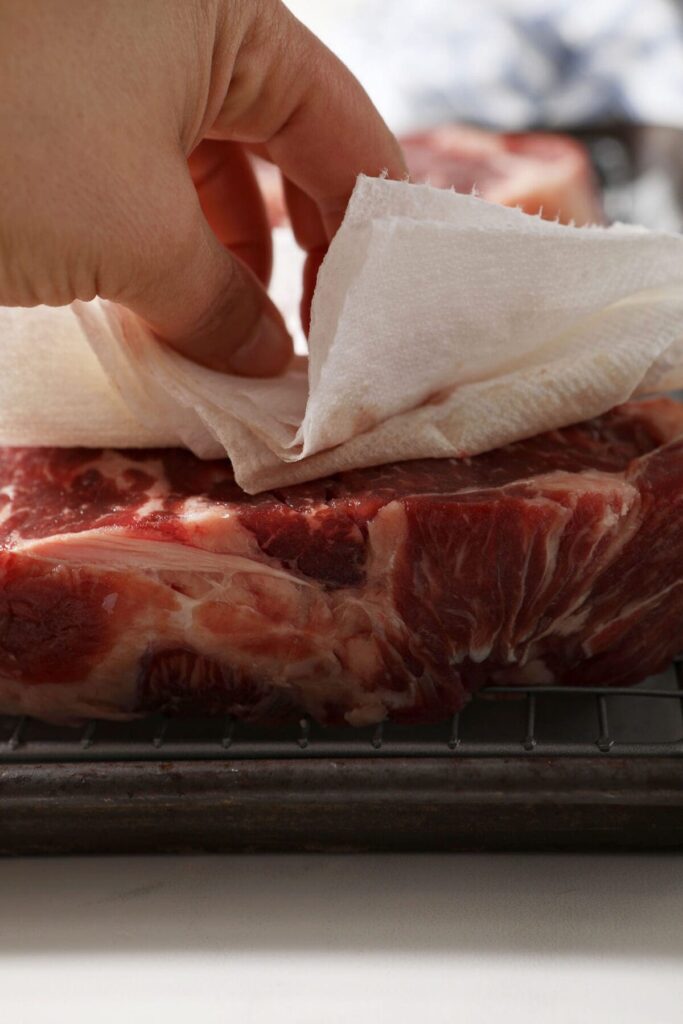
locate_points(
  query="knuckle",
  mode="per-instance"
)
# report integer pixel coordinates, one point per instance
(40, 267)
(233, 306)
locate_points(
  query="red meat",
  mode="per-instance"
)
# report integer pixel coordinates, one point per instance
(541, 173)
(133, 582)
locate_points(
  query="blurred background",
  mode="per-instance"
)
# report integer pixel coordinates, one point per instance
(455, 77)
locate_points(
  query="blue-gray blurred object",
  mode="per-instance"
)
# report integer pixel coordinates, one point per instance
(608, 70)
(517, 64)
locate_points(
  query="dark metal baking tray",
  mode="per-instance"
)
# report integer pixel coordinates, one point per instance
(536, 768)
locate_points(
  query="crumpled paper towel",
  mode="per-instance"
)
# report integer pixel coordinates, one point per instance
(442, 326)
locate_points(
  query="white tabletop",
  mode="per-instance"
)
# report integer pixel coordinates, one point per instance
(343, 939)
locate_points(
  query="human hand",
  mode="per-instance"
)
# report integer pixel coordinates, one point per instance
(124, 168)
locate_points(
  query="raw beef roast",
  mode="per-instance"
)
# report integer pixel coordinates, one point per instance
(141, 582)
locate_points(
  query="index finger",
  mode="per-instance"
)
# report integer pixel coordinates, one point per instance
(317, 122)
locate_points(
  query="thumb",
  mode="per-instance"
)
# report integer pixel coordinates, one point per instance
(204, 301)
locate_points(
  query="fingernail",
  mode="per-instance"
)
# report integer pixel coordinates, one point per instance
(266, 352)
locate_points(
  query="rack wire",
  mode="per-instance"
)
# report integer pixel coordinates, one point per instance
(508, 722)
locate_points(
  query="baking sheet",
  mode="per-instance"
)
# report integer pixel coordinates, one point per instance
(547, 770)
(543, 769)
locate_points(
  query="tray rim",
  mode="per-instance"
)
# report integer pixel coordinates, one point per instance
(342, 805)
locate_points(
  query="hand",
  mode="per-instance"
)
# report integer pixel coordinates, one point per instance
(124, 168)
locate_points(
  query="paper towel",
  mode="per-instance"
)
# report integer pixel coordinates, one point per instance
(442, 325)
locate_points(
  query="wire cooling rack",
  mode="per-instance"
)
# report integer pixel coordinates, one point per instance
(500, 722)
(536, 769)
(540, 768)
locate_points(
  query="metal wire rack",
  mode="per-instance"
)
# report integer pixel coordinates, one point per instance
(540, 768)
(511, 722)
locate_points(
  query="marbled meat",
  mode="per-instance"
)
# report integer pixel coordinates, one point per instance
(140, 582)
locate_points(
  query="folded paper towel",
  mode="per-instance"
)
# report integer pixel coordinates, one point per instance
(442, 325)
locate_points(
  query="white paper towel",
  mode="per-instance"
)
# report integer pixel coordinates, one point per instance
(442, 325)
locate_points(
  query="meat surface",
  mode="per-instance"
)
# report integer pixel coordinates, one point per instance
(541, 173)
(138, 582)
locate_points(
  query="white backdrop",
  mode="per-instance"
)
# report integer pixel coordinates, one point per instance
(343, 940)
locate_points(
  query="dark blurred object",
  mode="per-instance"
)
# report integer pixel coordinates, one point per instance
(640, 169)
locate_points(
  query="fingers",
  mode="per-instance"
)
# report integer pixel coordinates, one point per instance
(288, 93)
(318, 124)
(232, 203)
(331, 136)
(203, 300)
(309, 231)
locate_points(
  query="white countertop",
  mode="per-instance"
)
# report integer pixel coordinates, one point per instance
(324, 939)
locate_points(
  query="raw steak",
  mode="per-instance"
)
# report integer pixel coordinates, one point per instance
(541, 173)
(141, 582)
